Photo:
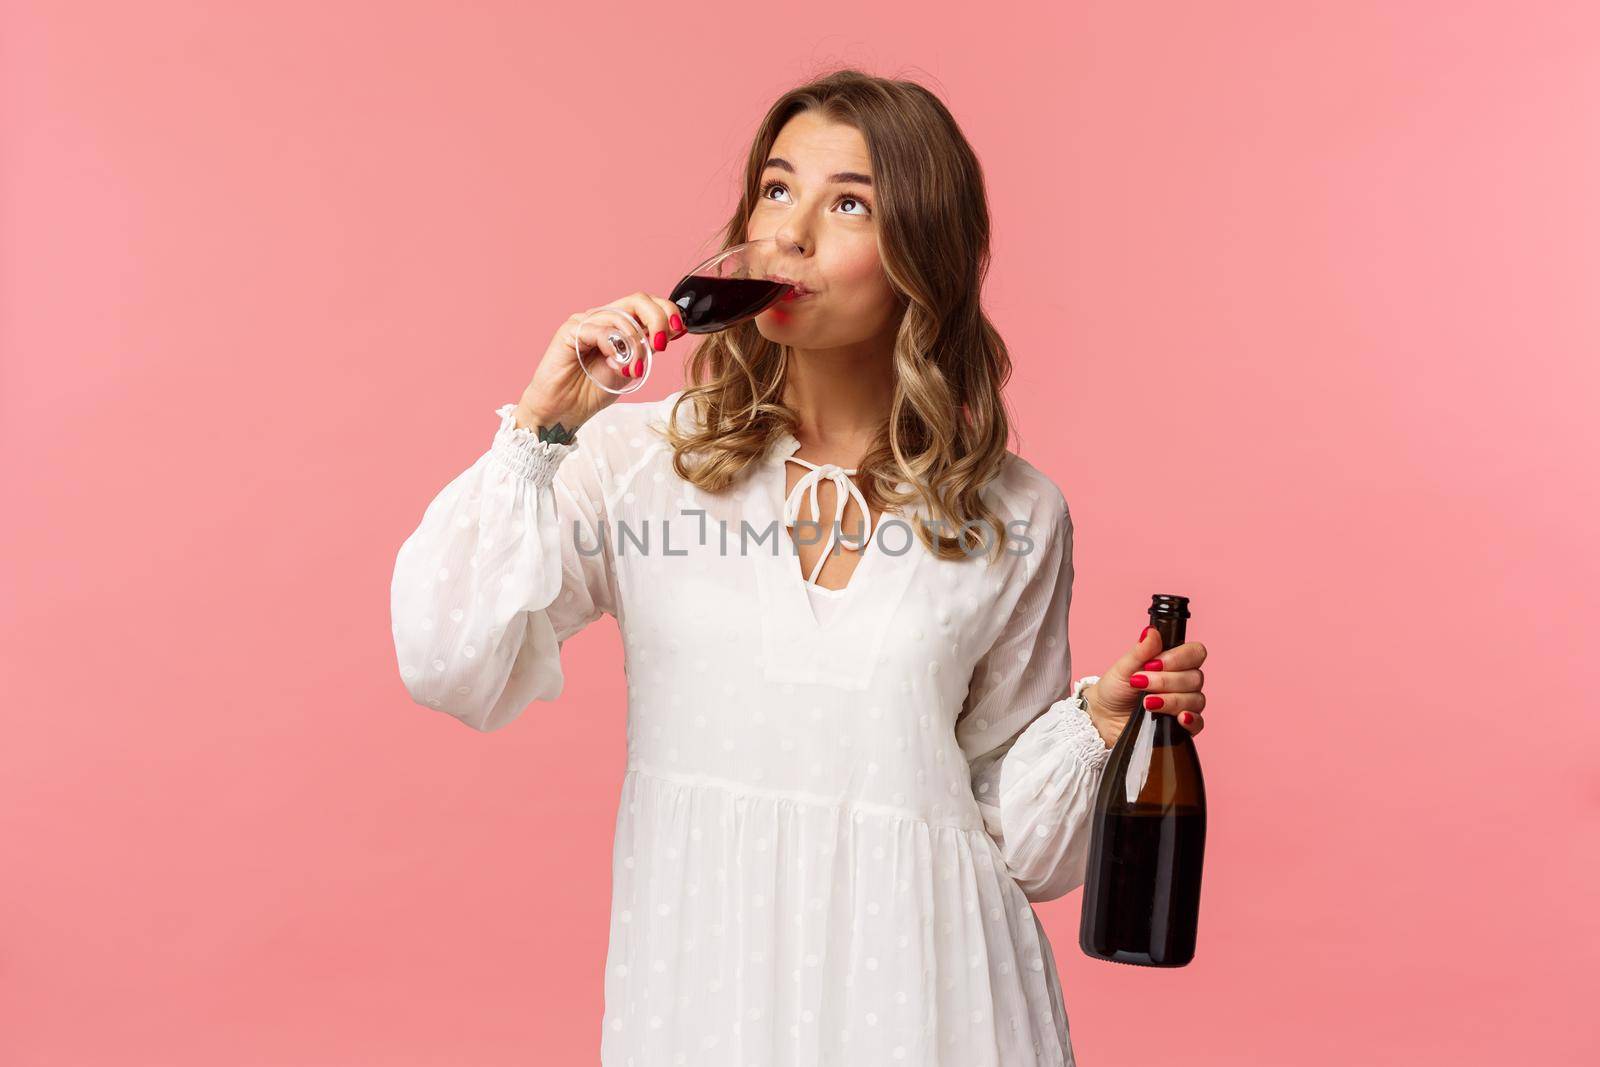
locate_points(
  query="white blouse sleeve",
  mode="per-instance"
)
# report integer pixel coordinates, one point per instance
(509, 561)
(1035, 757)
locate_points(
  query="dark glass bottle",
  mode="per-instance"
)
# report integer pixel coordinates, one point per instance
(1141, 897)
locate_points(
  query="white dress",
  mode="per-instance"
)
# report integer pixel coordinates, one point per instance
(837, 805)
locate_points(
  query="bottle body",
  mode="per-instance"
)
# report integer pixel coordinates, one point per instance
(1141, 895)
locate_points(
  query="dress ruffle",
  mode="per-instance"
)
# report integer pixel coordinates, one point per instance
(520, 451)
(732, 904)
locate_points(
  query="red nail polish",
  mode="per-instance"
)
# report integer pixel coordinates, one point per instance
(1139, 680)
(1185, 718)
(660, 340)
(1153, 702)
(1143, 632)
(677, 323)
(1152, 665)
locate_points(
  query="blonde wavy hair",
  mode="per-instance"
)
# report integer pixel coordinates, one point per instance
(947, 429)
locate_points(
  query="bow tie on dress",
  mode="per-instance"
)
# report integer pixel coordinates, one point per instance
(840, 477)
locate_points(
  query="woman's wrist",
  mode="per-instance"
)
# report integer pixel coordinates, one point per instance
(547, 425)
(1109, 729)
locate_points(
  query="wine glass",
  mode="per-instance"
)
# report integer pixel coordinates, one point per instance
(734, 285)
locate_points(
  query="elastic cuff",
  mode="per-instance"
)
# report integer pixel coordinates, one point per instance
(1077, 732)
(520, 451)
(1063, 734)
(1077, 729)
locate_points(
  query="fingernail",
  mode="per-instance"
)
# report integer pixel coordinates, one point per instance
(677, 323)
(1185, 718)
(1139, 680)
(1143, 632)
(1153, 702)
(660, 340)
(1152, 665)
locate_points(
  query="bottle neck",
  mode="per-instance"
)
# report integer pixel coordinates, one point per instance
(1167, 729)
(1170, 628)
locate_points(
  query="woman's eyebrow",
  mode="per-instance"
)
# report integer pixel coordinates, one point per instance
(842, 178)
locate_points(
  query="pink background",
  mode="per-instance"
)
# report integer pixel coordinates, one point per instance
(1303, 301)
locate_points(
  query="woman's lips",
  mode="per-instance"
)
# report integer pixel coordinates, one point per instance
(796, 292)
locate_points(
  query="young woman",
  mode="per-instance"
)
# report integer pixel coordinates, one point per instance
(855, 748)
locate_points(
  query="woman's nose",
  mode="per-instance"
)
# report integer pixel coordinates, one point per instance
(791, 240)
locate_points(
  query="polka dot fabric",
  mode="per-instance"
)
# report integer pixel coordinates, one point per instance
(837, 809)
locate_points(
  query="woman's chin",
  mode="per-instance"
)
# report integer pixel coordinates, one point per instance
(780, 325)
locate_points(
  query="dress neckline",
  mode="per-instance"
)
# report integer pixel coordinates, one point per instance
(784, 445)
(845, 489)
(781, 450)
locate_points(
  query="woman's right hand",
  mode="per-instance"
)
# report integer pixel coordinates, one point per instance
(561, 391)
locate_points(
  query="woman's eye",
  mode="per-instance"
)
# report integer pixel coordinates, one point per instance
(767, 189)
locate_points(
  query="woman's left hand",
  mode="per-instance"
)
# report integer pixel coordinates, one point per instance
(1167, 681)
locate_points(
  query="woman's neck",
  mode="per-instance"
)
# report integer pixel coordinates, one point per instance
(842, 397)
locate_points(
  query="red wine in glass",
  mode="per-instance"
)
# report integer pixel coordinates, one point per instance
(710, 304)
(736, 284)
